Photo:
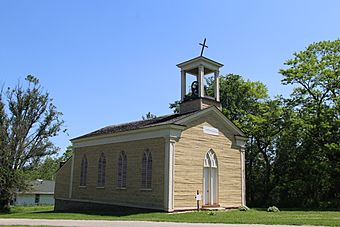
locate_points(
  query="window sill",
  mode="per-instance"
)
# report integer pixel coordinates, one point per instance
(118, 188)
(100, 187)
(146, 189)
(82, 186)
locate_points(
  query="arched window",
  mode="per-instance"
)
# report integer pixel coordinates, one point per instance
(101, 171)
(210, 159)
(210, 179)
(83, 171)
(146, 170)
(122, 169)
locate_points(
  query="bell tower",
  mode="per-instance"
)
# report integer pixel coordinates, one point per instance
(197, 97)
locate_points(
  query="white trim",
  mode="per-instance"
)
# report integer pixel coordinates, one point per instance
(200, 79)
(71, 174)
(243, 177)
(166, 173)
(195, 62)
(183, 85)
(172, 172)
(192, 117)
(169, 174)
(241, 142)
(217, 85)
(152, 132)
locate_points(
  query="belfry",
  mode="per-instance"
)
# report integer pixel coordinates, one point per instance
(198, 98)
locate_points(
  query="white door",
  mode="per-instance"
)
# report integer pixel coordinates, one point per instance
(210, 179)
(213, 186)
(206, 186)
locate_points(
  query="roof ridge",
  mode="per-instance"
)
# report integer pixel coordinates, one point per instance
(145, 120)
(132, 125)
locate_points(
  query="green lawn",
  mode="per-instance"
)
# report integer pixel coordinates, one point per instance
(254, 216)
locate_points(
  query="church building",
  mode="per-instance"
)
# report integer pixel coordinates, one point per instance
(161, 163)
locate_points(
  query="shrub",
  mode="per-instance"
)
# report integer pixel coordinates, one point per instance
(211, 213)
(273, 209)
(243, 208)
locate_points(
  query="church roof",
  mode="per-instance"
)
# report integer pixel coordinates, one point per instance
(162, 120)
(172, 119)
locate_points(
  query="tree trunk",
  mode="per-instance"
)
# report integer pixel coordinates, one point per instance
(263, 151)
(4, 205)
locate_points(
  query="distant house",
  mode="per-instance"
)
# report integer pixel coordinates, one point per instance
(39, 192)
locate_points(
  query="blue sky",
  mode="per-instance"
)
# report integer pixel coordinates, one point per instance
(107, 62)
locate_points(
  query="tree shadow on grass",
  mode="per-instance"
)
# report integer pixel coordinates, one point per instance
(301, 209)
(312, 209)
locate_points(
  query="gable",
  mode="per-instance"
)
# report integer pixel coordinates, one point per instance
(208, 128)
(214, 117)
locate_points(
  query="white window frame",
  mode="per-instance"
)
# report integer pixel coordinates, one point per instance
(210, 161)
(146, 173)
(122, 171)
(101, 171)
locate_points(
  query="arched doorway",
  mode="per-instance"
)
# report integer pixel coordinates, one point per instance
(210, 179)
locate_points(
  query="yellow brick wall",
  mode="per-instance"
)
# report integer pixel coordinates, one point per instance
(133, 195)
(63, 180)
(189, 156)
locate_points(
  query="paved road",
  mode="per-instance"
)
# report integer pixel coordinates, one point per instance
(101, 223)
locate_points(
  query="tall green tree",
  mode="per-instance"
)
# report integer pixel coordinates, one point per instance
(239, 97)
(67, 154)
(315, 74)
(46, 168)
(28, 119)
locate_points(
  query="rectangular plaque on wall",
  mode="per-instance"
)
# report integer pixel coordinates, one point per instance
(210, 130)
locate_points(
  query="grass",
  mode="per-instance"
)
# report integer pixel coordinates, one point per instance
(254, 216)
